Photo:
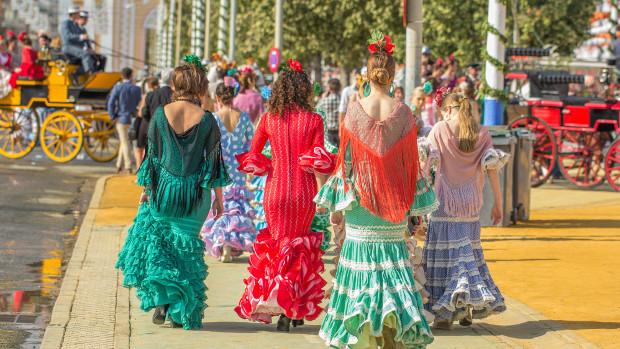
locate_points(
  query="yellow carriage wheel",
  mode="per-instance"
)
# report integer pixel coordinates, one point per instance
(61, 136)
(19, 130)
(101, 141)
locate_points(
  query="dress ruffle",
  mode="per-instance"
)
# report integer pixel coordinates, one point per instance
(374, 288)
(258, 185)
(321, 224)
(334, 197)
(317, 160)
(494, 159)
(284, 279)
(456, 272)
(254, 163)
(235, 228)
(166, 267)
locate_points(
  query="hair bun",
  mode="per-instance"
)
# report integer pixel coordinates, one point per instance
(380, 76)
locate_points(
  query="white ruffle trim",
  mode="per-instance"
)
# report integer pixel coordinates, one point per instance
(494, 159)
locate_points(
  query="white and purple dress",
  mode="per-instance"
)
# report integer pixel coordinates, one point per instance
(236, 227)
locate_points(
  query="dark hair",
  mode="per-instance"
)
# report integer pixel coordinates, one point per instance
(189, 81)
(27, 41)
(126, 73)
(247, 81)
(333, 85)
(292, 89)
(381, 68)
(152, 82)
(399, 88)
(226, 93)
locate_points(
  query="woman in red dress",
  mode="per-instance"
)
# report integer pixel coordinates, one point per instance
(29, 67)
(286, 264)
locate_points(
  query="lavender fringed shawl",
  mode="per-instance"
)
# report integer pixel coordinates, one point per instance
(460, 178)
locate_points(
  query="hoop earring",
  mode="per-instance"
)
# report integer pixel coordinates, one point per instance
(391, 92)
(366, 89)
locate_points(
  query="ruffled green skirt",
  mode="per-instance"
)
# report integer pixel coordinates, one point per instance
(163, 258)
(374, 289)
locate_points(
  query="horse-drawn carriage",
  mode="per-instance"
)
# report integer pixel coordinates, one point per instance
(575, 136)
(61, 114)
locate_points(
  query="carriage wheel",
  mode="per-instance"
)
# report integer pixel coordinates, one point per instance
(19, 130)
(612, 165)
(101, 141)
(581, 157)
(544, 148)
(61, 136)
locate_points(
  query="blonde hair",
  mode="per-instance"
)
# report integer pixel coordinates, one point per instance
(468, 125)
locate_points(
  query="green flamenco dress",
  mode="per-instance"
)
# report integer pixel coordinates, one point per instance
(320, 222)
(163, 255)
(377, 185)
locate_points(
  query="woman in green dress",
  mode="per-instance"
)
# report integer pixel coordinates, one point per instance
(374, 301)
(163, 253)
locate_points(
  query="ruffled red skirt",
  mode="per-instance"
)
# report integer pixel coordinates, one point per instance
(284, 278)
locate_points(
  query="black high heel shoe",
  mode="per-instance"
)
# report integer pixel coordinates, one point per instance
(159, 315)
(299, 322)
(284, 324)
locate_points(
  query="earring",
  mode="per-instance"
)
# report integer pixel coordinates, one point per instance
(391, 93)
(366, 89)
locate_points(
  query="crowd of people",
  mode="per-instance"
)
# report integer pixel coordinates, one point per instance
(232, 165)
(23, 58)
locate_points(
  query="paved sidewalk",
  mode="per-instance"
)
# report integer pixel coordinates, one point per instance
(93, 311)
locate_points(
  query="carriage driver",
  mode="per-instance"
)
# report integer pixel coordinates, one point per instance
(88, 44)
(73, 40)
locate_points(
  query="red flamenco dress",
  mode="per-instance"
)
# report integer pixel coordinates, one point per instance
(286, 264)
(29, 67)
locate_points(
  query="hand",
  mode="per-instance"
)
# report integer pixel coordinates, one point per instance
(83, 36)
(144, 198)
(218, 209)
(321, 210)
(336, 218)
(497, 213)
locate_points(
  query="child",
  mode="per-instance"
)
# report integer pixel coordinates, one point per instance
(29, 67)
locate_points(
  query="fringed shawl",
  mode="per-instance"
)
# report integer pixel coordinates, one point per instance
(460, 180)
(384, 160)
(180, 167)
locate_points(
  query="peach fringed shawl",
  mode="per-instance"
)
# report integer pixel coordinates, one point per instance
(460, 180)
(384, 160)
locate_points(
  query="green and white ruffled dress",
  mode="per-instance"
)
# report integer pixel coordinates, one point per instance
(374, 288)
(163, 255)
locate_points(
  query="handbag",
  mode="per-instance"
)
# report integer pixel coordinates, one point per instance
(134, 128)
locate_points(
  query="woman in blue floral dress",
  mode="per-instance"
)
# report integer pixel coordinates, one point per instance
(234, 233)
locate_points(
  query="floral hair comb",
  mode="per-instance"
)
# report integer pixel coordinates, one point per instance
(195, 61)
(380, 42)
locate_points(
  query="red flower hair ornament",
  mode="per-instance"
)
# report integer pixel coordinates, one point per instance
(295, 65)
(21, 36)
(379, 42)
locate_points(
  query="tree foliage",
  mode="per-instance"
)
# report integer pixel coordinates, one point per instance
(336, 31)
(458, 26)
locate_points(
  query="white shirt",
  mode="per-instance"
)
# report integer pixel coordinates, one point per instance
(345, 96)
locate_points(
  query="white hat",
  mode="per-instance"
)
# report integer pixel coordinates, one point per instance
(73, 10)
(84, 14)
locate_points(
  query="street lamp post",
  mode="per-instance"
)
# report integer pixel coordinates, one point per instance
(232, 29)
(413, 46)
(221, 27)
(207, 28)
(493, 107)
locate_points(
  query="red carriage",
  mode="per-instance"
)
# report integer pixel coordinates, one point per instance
(575, 136)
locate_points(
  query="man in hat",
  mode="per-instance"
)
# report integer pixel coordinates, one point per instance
(73, 40)
(100, 60)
